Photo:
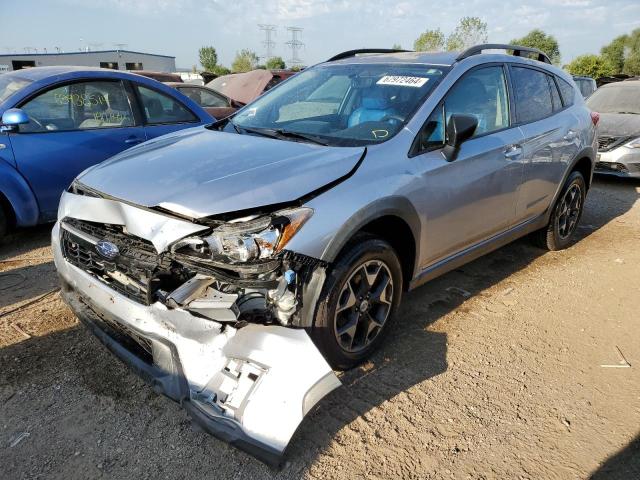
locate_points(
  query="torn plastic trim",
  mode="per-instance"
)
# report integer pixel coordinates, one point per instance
(251, 386)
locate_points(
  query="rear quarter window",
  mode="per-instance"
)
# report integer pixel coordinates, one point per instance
(567, 91)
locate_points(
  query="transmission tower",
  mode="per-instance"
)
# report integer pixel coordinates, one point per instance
(268, 42)
(295, 44)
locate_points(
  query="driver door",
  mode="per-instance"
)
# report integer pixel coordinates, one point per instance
(474, 197)
(72, 127)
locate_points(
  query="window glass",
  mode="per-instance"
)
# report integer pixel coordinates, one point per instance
(343, 104)
(10, 84)
(160, 108)
(555, 96)
(483, 94)
(621, 97)
(567, 91)
(79, 106)
(203, 97)
(533, 95)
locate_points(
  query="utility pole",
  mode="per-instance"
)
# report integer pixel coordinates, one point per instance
(268, 42)
(295, 44)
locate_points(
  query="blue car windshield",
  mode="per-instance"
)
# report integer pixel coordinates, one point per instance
(9, 84)
(341, 104)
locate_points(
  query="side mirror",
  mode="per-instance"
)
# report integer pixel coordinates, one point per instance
(460, 128)
(12, 118)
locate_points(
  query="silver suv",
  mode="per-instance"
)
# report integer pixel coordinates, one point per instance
(235, 266)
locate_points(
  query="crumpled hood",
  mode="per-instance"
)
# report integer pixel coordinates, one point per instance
(200, 172)
(619, 125)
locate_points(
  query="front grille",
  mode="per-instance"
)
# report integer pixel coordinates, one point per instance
(607, 143)
(611, 167)
(130, 273)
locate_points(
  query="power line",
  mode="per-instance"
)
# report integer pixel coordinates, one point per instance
(295, 44)
(268, 42)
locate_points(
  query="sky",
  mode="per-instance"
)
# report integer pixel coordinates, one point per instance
(180, 27)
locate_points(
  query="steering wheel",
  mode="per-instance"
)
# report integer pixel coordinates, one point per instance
(395, 118)
(37, 122)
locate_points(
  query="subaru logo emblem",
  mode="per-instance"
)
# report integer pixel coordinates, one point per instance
(107, 249)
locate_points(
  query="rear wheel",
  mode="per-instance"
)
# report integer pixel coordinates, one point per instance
(359, 300)
(559, 233)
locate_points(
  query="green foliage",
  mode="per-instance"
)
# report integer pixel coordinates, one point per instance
(220, 70)
(397, 46)
(470, 31)
(614, 52)
(593, 66)
(208, 58)
(245, 61)
(538, 39)
(296, 68)
(275, 63)
(429, 41)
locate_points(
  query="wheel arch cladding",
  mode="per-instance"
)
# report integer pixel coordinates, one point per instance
(584, 166)
(394, 220)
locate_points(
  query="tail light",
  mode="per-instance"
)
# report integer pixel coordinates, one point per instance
(595, 118)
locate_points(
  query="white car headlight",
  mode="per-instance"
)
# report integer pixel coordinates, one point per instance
(635, 143)
(245, 240)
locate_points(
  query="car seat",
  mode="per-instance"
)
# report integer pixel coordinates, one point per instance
(375, 106)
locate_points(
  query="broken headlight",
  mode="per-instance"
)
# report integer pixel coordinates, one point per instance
(247, 239)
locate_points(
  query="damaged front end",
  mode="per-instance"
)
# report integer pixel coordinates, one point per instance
(210, 314)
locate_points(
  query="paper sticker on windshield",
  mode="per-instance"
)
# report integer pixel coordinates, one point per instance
(402, 81)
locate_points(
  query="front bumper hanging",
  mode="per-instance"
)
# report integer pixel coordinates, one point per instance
(250, 385)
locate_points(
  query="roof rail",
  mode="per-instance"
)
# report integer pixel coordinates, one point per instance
(353, 53)
(517, 51)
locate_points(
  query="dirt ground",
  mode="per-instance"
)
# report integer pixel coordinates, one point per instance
(521, 365)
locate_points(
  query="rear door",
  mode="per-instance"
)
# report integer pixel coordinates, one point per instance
(73, 126)
(473, 197)
(550, 133)
(163, 113)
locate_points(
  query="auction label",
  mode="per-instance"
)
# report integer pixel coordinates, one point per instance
(402, 81)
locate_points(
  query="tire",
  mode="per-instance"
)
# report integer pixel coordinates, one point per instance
(565, 217)
(359, 300)
(3, 223)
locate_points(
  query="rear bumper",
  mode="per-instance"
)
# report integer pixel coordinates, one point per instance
(250, 387)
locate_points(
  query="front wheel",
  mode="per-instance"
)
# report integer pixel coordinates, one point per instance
(359, 299)
(558, 234)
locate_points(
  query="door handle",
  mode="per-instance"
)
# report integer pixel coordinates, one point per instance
(571, 135)
(131, 141)
(512, 152)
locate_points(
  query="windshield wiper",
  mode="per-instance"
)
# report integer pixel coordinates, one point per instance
(629, 113)
(280, 134)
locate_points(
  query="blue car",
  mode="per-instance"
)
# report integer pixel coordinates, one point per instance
(58, 121)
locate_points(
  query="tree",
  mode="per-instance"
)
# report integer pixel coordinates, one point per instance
(275, 63)
(208, 58)
(614, 52)
(220, 70)
(538, 39)
(429, 41)
(245, 61)
(396, 46)
(593, 66)
(470, 31)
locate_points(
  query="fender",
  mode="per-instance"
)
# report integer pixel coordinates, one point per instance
(396, 206)
(17, 191)
(587, 152)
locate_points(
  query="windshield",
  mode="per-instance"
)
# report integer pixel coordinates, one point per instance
(341, 105)
(622, 98)
(10, 84)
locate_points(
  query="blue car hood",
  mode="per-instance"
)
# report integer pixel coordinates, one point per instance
(199, 172)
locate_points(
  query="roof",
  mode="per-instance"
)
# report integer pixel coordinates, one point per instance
(80, 53)
(629, 83)
(38, 73)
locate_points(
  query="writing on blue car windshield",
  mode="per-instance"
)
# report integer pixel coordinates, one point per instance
(340, 104)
